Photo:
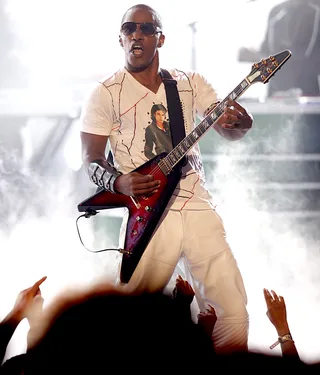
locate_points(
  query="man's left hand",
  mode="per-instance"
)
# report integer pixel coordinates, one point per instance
(235, 117)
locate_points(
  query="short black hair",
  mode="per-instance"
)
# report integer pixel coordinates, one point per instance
(155, 14)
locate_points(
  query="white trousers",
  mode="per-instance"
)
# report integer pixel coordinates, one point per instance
(198, 236)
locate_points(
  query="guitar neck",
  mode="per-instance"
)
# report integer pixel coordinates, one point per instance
(172, 159)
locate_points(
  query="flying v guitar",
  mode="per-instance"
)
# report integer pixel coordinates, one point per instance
(144, 212)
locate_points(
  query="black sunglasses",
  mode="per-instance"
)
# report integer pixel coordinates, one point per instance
(147, 28)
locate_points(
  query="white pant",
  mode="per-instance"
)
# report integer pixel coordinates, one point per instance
(199, 236)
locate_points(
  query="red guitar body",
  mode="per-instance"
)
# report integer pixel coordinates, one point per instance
(144, 213)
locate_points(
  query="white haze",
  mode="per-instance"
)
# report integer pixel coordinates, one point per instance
(274, 250)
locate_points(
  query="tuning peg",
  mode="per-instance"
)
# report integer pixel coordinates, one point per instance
(255, 66)
(264, 62)
(272, 58)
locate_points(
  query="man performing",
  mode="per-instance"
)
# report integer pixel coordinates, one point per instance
(118, 111)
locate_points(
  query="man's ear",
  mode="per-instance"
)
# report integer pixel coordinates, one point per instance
(161, 41)
(120, 41)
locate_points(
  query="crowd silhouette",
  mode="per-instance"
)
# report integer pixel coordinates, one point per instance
(97, 328)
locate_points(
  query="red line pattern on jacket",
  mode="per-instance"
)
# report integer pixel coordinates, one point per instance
(192, 194)
(120, 115)
(134, 126)
(134, 106)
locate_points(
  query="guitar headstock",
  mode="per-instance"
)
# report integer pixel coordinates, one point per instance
(263, 70)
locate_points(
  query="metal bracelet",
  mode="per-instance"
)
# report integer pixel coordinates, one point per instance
(103, 177)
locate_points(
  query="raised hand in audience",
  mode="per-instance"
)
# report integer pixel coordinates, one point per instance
(277, 314)
(207, 319)
(27, 302)
(183, 291)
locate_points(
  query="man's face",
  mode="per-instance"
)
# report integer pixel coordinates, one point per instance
(140, 48)
(159, 116)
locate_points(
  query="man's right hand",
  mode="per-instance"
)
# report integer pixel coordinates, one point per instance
(135, 184)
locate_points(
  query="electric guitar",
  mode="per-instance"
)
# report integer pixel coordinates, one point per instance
(144, 212)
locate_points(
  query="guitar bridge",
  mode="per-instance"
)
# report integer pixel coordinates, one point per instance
(135, 202)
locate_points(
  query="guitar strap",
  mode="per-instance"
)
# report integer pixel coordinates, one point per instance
(176, 122)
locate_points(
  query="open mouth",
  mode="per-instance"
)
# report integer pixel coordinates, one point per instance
(137, 49)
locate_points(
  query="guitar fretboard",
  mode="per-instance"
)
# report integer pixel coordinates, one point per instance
(174, 156)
